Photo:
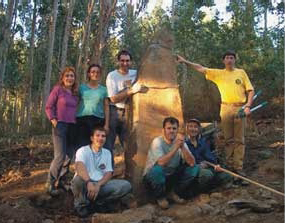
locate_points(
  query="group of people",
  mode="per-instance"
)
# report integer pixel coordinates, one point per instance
(87, 119)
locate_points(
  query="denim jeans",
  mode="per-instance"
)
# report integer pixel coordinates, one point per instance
(158, 183)
(208, 179)
(118, 126)
(63, 136)
(113, 190)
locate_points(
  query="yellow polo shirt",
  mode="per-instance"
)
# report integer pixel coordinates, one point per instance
(232, 84)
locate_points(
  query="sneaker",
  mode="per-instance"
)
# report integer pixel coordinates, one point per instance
(163, 203)
(52, 190)
(82, 212)
(174, 197)
(64, 186)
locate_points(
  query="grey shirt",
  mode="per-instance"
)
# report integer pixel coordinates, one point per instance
(158, 149)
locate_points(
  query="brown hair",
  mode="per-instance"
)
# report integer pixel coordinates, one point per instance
(170, 120)
(229, 53)
(74, 88)
(89, 69)
(97, 128)
(125, 53)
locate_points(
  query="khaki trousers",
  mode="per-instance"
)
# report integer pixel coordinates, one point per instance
(233, 130)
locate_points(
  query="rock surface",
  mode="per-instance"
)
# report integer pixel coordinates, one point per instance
(139, 215)
(148, 110)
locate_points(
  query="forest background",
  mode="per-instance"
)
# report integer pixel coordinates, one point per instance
(40, 37)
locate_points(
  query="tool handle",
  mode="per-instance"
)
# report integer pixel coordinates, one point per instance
(248, 180)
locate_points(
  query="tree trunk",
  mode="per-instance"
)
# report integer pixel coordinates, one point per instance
(250, 17)
(30, 69)
(107, 7)
(52, 24)
(265, 20)
(4, 43)
(66, 34)
(14, 114)
(85, 37)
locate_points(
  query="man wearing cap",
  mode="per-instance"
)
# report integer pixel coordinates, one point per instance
(236, 90)
(208, 176)
(170, 167)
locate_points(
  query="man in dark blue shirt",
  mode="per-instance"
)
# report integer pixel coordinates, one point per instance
(208, 177)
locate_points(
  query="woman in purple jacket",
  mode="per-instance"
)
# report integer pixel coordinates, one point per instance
(60, 110)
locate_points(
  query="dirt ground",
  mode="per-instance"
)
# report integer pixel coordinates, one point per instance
(24, 166)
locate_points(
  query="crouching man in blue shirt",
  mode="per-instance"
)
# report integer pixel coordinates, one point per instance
(92, 181)
(208, 177)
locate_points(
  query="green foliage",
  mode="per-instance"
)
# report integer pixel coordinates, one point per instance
(204, 42)
(260, 51)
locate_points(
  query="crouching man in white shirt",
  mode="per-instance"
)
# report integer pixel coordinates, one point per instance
(92, 181)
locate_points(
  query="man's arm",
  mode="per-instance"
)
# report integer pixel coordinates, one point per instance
(92, 187)
(107, 114)
(195, 66)
(188, 156)
(163, 160)
(247, 106)
(107, 176)
(124, 94)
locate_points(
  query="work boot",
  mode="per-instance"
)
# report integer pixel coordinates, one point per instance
(163, 203)
(239, 181)
(174, 197)
(129, 201)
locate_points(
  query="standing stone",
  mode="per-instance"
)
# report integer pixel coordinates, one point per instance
(148, 110)
(201, 98)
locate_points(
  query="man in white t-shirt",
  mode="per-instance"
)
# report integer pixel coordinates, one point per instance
(92, 181)
(120, 86)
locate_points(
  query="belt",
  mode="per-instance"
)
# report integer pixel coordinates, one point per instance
(235, 104)
(117, 108)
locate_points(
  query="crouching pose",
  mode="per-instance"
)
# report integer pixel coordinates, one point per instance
(208, 177)
(92, 181)
(166, 174)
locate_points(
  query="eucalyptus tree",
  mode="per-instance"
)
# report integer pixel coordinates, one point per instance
(6, 26)
(52, 25)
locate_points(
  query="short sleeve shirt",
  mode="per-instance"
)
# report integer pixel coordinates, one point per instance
(96, 163)
(232, 84)
(91, 101)
(117, 82)
(159, 148)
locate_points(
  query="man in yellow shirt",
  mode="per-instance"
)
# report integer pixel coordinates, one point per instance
(236, 90)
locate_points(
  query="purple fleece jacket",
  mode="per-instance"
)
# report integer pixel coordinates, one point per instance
(61, 105)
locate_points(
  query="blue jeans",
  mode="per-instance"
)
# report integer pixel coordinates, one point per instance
(112, 190)
(158, 183)
(208, 179)
(118, 126)
(63, 136)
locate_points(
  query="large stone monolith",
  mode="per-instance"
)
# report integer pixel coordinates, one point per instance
(200, 98)
(158, 73)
